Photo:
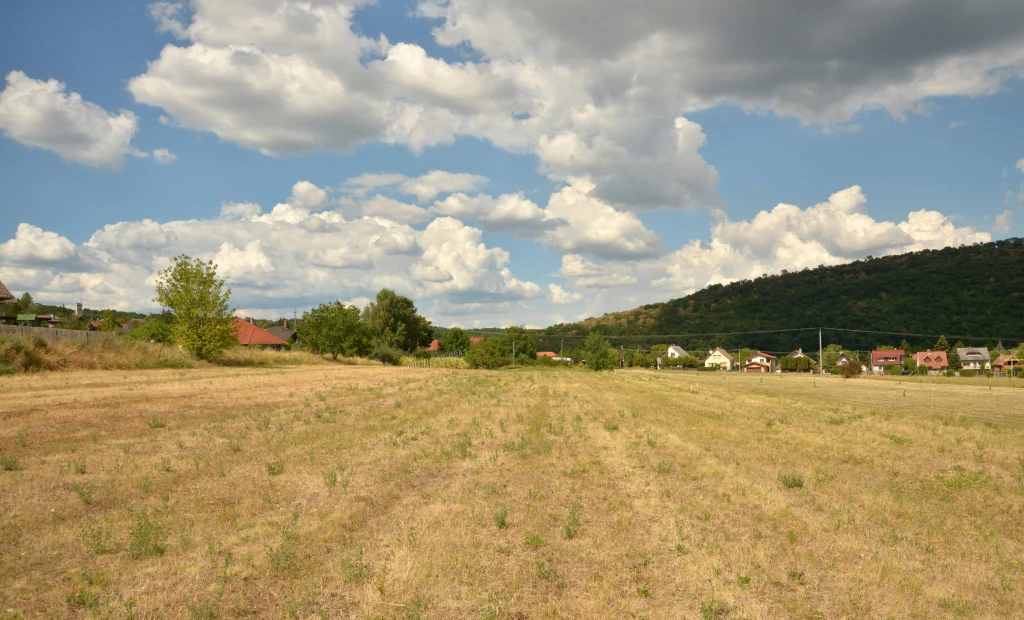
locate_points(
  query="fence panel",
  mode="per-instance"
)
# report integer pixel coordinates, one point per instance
(53, 334)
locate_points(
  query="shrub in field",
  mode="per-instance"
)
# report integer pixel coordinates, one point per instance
(851, 369)
(387, 354)
(9, 462)
(487, 354)
(599, 354)
(893, 370)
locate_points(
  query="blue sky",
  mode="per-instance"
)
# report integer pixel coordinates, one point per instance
(630, 172)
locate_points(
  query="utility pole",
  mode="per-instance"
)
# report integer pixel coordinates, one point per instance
(821, 365)
(513, 353)
(561, 348)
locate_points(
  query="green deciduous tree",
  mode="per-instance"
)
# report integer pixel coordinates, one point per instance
(333, 328)
(599, 353)
(455, 341)
(203, 324)
(391, 320)
(488, 353)
(523, 342)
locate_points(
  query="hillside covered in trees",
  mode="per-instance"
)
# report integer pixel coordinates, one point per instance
(970, 293)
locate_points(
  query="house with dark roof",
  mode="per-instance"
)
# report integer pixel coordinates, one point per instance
(934, 361)
(283, 332)
(248, 334)
(975, 358)
(880, 358)
(798, 353)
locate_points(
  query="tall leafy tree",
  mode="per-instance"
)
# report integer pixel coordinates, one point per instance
(190, 288)
(391, 320)
(599, 353)
(333, 328)
(523, 341)
(489, 354)
(455, 340)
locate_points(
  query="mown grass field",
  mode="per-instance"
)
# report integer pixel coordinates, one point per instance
(371, 492)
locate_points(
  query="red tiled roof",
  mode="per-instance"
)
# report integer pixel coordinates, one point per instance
(247, 334)
(933, 360)
(1006, 360)
(435, 345)
(5, 295)
(546, 354)
(476, 339)
(886, 353)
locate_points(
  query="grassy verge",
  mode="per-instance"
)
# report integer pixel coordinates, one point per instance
(20, 354)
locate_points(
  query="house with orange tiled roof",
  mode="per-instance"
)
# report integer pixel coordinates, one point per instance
(435, 345)
(248, 334)
(934, 361)
(476, 339)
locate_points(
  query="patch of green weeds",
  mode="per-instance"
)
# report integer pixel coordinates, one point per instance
(664, 467)
(501, 518)
(571, 527)
(535, 542)
(9, 462)
(796, 575)
(275, 468)
(145, 537)
(84, 492)
(791, 480)
(78, 466)
(331, 478)
(610, 426)
(155, 422)
(98, 538)
(354, 568)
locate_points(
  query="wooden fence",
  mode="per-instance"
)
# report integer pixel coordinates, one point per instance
(52, 334)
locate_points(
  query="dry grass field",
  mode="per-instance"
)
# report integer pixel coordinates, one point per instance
(370, 492)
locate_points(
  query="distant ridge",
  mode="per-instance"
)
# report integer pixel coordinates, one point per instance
(975, 290)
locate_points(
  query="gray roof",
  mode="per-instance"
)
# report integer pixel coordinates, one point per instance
(974, 354)
(284, 333)
(678, 350)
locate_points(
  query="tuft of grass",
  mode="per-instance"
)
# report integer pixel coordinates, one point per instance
(155, 423)
(501, 518)
(282, 558)
(98, 539)
(571, 527)
(711, 609)
(664, 467)
(78, 466)
(9, 462)
(146, 537)
(796, 575)
(275, 468)
(535, 542)
(791, 480)
(83, 597)
(354, 568)
(610, 426)
(234, 445)
(643, 592)
(331, 478)
(84, 492)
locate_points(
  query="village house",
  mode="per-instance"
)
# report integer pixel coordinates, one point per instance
(1006, 363)
(975, 358)
(248, 334)
(283, 332)
(675, 351)
(934, 361)
(843, 359)
(435, 345)
(720, 358)
(550, 354)
(476, 339)
(6, 298)
(797, 353)
(759, 362)
(886, 357)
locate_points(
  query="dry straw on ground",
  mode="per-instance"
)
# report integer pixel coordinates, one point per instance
(341, 491)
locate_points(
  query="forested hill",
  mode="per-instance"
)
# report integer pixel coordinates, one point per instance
(975, 291)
